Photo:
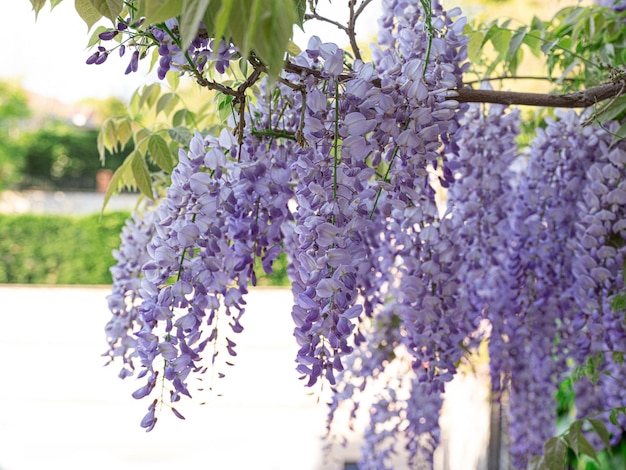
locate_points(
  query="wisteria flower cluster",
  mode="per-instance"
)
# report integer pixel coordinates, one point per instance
(599, 255)
(539, 278)
(124, 300)
(414, 230)
(523, 260)
(165, 38)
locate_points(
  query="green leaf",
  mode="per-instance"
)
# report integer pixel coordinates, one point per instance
(565, 44)
(301, 9)
(578, 442)
(493, 29)
(158, 11)
(173, 79)
(621, 133)
(274, 34)
(101, 147)
(37, 6)
(123, 131)
(122, 177)
(533, 41)
(600, 429)
(224, 107)
(160, 153)
(537, 463)
(133, 105)
(293, 49)
(54, 3)
(501, 40)
(555, 453)
(94, 39)
(108, 8)
(210, 16)
(140, 139)
(618, 304)
(141, 174)
(222, 19)
(107, 138)
(252, 26)
(181, 135)
(88, 12)
(617, 110)
(475, 45)
(547, 46)
(571, 435)
(585, 447)
(516, 41)
(149, 95)
(165, 103)
(179, 117)
(191, 15)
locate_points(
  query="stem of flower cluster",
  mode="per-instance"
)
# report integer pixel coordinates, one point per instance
(386, 178)
(336, 140)
(428, 21)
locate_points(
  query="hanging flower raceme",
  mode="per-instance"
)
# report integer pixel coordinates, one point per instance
(124, 299)
(599, 256)
(480, 201)
(218, 216)
(530, 338)
(424, 56)
(332, 183)
(410, 266)
(481, 204)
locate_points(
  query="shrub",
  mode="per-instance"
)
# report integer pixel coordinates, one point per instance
(47, 249)
(50, 249)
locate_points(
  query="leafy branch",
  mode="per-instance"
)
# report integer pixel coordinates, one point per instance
(573, 439)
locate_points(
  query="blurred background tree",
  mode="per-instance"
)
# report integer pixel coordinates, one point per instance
(13, 112)
(60, 155)
(48, 148)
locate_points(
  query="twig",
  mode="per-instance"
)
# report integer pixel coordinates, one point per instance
(315, 16)
(362, 6)
(351, 30)
(597, 114)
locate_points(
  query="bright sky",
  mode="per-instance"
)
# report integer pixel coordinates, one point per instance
(48, 56)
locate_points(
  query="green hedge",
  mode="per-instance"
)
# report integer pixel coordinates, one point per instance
(46, 249)
(38, 249)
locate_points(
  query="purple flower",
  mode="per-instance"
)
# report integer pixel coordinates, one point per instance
(133, 65)
(108, 35)
(92, 59)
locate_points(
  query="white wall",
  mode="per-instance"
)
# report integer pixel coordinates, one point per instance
(60, 202)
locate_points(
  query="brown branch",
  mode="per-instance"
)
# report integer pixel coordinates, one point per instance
(518, 77)
(579, 99)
